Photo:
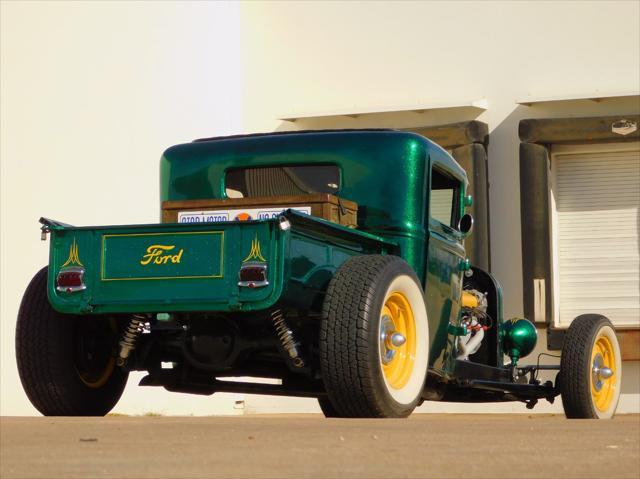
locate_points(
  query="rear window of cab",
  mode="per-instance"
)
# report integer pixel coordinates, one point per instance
(282, 181)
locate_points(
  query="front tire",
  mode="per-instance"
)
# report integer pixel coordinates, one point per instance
(590, 368)
(66, 363)
(367, 370)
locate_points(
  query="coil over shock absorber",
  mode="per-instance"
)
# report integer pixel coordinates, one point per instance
(130, 337)
(285, 335)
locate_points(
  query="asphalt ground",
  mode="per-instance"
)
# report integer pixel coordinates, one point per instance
(300, 446)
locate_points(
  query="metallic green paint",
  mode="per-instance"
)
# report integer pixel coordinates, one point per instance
(386, 172)
(205, 278)
(464, 265)
(300, 262)
(172, 255)
(519, 338)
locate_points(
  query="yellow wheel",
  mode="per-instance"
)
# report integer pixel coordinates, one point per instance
(603, 368)
(397, 340)
(590, 368)
(374, 339)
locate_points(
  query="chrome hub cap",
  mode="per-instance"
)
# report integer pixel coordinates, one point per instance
(390, 340)
(599, 373)
(397, 340)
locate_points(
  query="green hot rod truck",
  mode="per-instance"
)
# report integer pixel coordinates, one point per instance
(332, 261)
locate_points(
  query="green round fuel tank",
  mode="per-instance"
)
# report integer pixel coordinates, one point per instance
(520, 337)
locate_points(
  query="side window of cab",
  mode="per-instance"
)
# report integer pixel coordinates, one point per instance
(444, 204)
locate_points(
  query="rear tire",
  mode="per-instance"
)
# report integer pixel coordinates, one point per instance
(327, 408)
(369, 300)
(590, 345)
(66, 363)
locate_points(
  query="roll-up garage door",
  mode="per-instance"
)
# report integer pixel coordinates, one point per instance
(596, 226)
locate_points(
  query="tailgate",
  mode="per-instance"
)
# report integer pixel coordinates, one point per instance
(164, 268)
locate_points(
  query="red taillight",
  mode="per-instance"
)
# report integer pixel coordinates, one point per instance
(253, 275)
(69, 280)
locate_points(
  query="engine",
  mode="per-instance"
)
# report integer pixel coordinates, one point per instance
(475, 322)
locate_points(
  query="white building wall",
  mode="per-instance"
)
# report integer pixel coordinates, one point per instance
(320, 57)
(92, 93)
(313, 57)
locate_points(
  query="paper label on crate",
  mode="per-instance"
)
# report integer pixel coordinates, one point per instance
(238, 214)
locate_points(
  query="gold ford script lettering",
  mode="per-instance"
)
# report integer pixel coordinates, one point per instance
(157, 254)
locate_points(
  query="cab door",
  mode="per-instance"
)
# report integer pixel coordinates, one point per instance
(445, 257)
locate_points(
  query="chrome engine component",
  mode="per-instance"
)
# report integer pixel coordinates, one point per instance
(128, 342)
(474, 299)
(475, 320)
(285, 335)
(469, 344)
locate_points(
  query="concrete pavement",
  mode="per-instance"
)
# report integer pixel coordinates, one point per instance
(425, 445)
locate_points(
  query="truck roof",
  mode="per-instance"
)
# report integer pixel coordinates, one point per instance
(382, 170)
(288, 132)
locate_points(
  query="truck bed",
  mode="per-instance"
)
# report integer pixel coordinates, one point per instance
(194, 268)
